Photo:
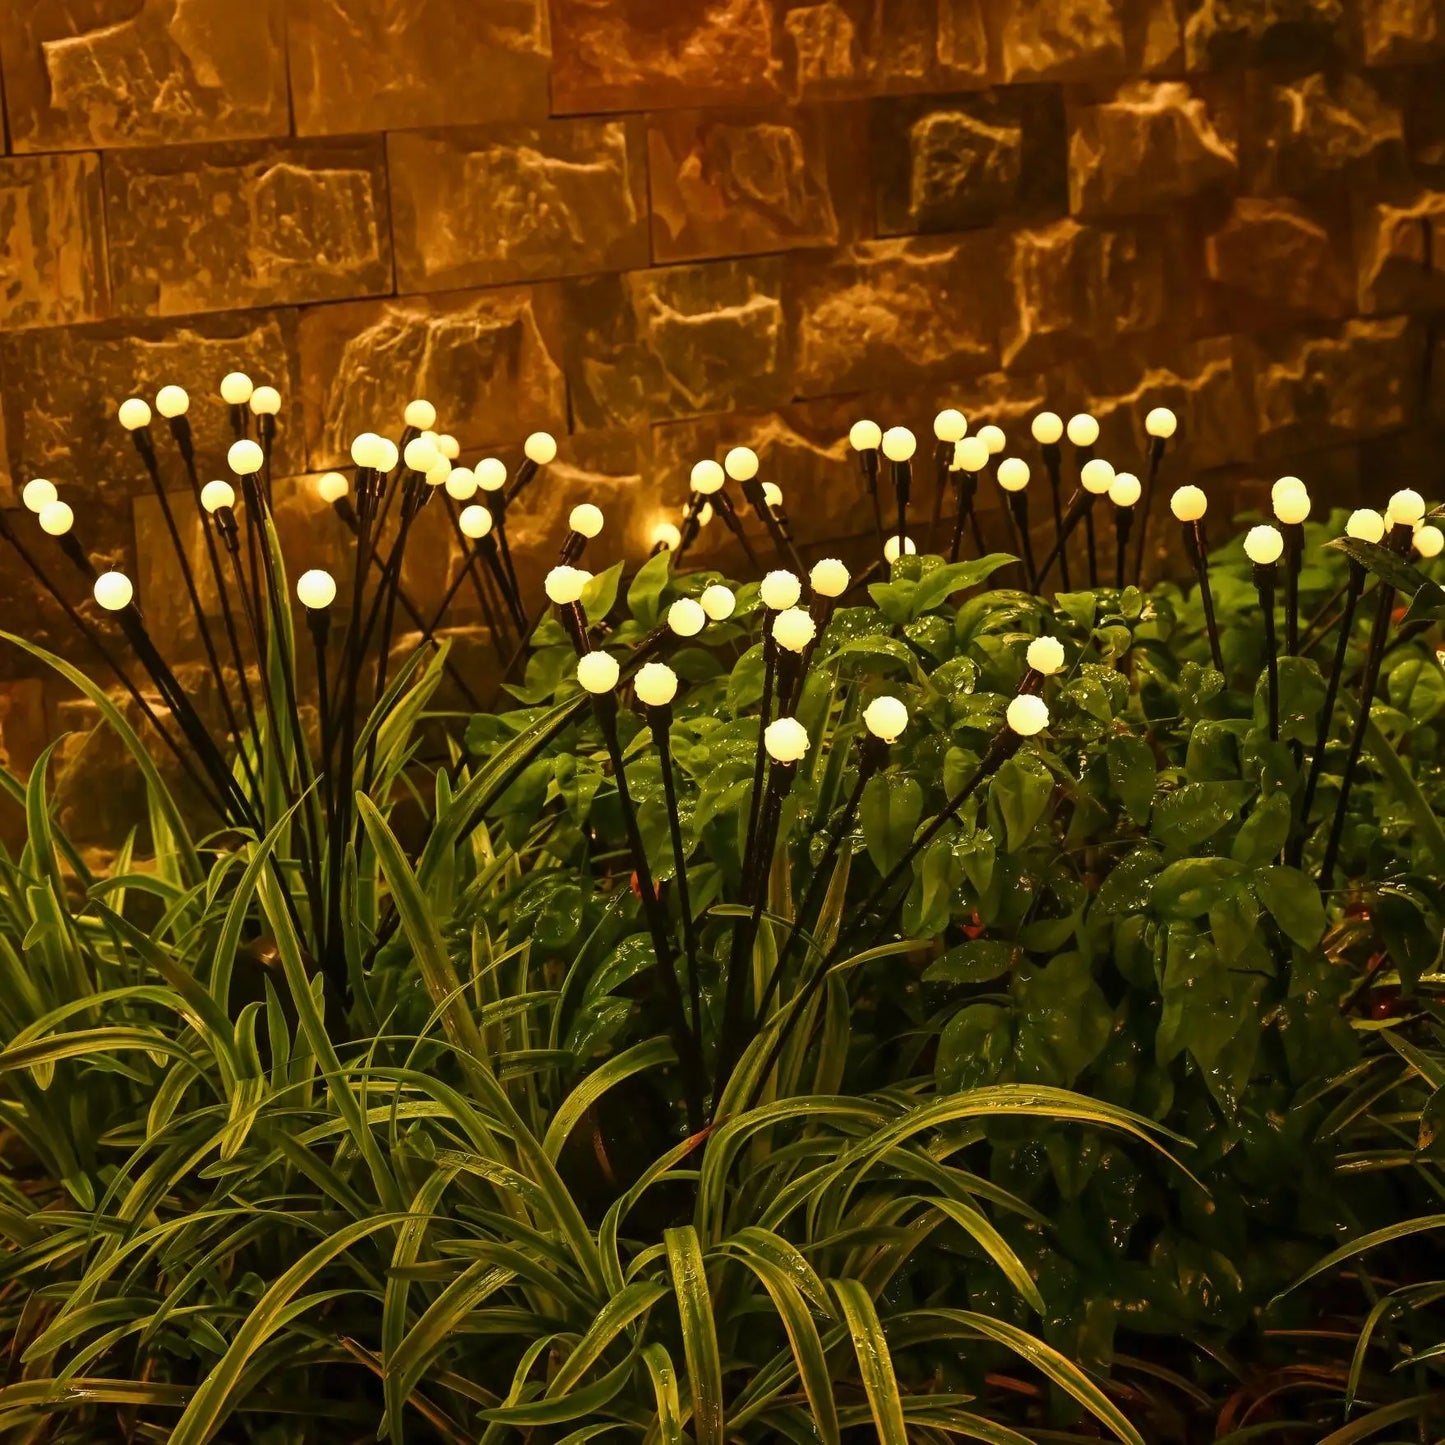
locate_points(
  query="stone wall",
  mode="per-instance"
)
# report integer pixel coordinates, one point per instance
(656, 227)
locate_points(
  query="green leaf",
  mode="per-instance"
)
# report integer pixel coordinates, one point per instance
(1132, 773)
(1022, 788)
(699, 1333)
(1264, 833)
(1294, 903)
(1192, 886)
(875, 1363)
(644, 596)
(1195, 812)
(599, 595)
(935, 587)
(1064, 1020)
(974, 1047)
(891, 807)
(978, 961)
(1386, 564)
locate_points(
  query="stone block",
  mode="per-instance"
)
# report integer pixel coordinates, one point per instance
(611, 55)
(52, 241)
(370, 65)
(676, 340)
(897, 312)
(1298, 33)
(483, 358)
(1064, 40)
(736, 182)
(117, 73)
(1152, 146)
(480, 206)
(1396, 31)
(1273, 262)
(1402, 255)
(258, 223)
(943, 164)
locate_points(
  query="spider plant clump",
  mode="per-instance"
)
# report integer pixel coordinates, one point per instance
(905, 1002)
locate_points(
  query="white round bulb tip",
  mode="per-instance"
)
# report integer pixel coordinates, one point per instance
(1083, 430)
(420, 454)
(1283, 487)
(892, 551)
(993, 438)
(236, 388)
(387, 455)
(1264, 545)
(134, 414)
(460, 482)
(215, 495)
(113, 591)
(686, 617)
(865, 436)
(38, 494)
(1046, 655)
(1047, 427)
(1013, 474)
(885, 718)
(1188, 504)
(707, 477)
(420, 414)
(1429, 540)
(448, 446)
(666, 536)
(1161, 423)
(741, 464)
(363, 453)
(1097, 476)
(655, 684)
(598, 672)
(772, 494)
(265, 401)
(245, 458)
(491, 473)
(1365, 525)
(718, 602)
(1125, 490)
(780, 589)
(829, 578)
(1406, 508)
(794, 629)
(56, 519)
(970, 455)
(899, 444)
(564, 584)
(332, 486)
(1292, 507)
(540, 447)
(172, 401)
(475, 522)
(1028, 715)
(786, 740)
(950, 425)
(316, 589)
(585, 519)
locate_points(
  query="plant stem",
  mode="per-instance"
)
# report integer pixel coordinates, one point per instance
(1264, 579)
(659, 721)
(1053, 465)
(1123, 521)
(1156, 456)
(1198, 549)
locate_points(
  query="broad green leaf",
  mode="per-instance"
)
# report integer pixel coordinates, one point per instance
(699, 1333)
(889, 814)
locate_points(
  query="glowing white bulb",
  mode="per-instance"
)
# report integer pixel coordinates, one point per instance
(950, 425)
(440, 472)
(741, 464)
(1429, 540)
(172, 401)
(1047, 427)
(1028, 714)
(865, 436)
(265, 401)
(1293, 506)
(564, 584)
(56, 519)
(1124, 490)
(460, 482)
(585, 519)
(780, 589)
(363, 452)
(1283, 487)
(786, 740)
(1096, 476)
(38, 494)
(885, 718)
(1046, 655)
(236, 388)
(704, 514)
(1083, 430)
(420, 414)
(1189, 504)
(387, 455)
(970, 455)
(420, 453)
(794, 629)
(686, 617)
(655, 684)
(316, 589)
(598, 672)
(245, 458)
(1406, 508)
(1365, 525)
(113, 591)
(540, 447)
(215, 495)
(332, 486)
(1161, 423)
(134, 414)
(899, 444)
(1013, 474)
(448, 446)
(993, 438)
(772, 494)
(491, 474)
(666, 536)
(708, 477)
(475, 522)
(892, 551)
(1263, 545)
(718, 602)
(829, 578)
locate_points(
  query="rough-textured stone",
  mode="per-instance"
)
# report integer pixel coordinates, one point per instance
(482, 358)
(479, 207)
(730, 183)
(23, 733)
(1364, 379)
(1402, 256)
(1075, 287)
(1401, 30)
(253, 224)
(1272, 260)
(118, 73)
(885, 312)
(1065, 40)
(1306, 133)
(1150, 147)
(942, 165)
(1233, 32)
(681, 339)
(653, 54)
(366, 65)
(52, 241)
